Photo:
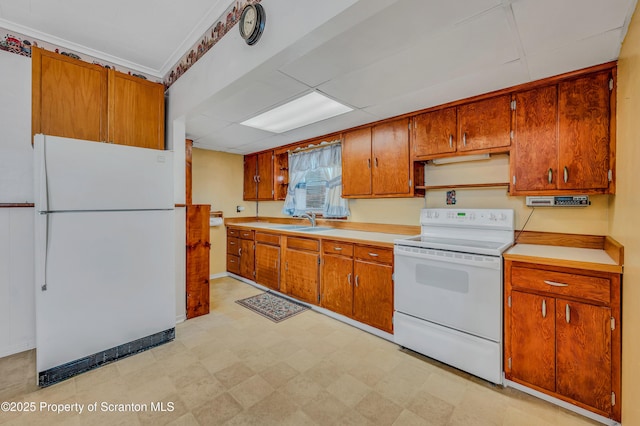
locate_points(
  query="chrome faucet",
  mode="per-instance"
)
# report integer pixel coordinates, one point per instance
(311, 217)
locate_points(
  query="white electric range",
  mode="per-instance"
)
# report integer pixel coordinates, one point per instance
(448, 288)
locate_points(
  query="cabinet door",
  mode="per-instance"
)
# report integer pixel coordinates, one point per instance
(197, 267)
(583, 120)
(302, 275)
(69, 97)
(390, 150)
(250, 186)
(373, 295)
(435, 132)
(533, 339)
(247, 259)
(136, 111)
(264, 170)
(485, 124)
(583, 353)
(356, 162)
(337, 284)
(535, 156)
(268, 265)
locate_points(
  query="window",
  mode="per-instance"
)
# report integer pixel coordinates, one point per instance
(315, 182)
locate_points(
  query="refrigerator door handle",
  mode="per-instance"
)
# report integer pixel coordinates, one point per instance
(46, 251)
(43, 192)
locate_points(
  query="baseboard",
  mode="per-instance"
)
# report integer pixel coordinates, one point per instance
(219, 275)
(561, 403)
(181, 318)
(17, 348)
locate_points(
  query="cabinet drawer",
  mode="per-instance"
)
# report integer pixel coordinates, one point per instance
(233, 264)
(233, 232)
(246, 235)
(233, 244)
(272, 239)
(580, 286)
(374, 254)
(337, 247)
(303, 244)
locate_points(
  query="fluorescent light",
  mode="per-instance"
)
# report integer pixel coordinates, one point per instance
(300, 112)
(460, 159)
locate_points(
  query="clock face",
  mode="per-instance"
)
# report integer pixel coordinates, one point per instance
(248, 21)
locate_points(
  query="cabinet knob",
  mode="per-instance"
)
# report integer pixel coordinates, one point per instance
(567, 313)
(566, 174)
(349, 278)
(357, 280)
(450, 141)
(544, 308)
(550, 176)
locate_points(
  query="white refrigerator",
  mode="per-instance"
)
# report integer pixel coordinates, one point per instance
(104, 253)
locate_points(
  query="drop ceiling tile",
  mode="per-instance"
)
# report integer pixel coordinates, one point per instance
(545, 24)
(572, 56)
(202, 125)
(380, 36)
(479, 43)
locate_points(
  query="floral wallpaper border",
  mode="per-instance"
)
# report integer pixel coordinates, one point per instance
(21, 45)
(213, 35)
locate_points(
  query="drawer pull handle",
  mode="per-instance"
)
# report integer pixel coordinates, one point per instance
(450, 141)
(555, 284)
(544, 308)
(567, 313)
(357, 280)
(232, 243)
(349, 278)
(373, 254)
(337, 248)
(239, 252)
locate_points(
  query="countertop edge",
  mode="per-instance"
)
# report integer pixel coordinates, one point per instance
(600, 267)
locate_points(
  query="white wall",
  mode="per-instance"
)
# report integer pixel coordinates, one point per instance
(17, 305)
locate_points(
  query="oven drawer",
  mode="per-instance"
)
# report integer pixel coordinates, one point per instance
(374, 254)
(573, 285)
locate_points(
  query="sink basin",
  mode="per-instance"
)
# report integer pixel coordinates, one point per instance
(316, 229)
(292, 227)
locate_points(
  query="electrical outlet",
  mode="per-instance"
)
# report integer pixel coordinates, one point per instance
(239, 209)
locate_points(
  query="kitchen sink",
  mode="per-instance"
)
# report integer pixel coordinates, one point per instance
(290, 227)
(315, 229)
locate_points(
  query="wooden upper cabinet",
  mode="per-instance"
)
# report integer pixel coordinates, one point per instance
(356, 162)
(435, 132)
(583, 129)
(69, 97)
(485, 124)
(536, 140)
(136, 111)
(258, 177)
(390, 163)
(75, 99)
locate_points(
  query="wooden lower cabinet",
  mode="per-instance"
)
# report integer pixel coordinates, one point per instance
(562, 334)
(302, 269)
(247, 259)
(197, 260)
(241, 252)
(357, 282)
(268, 260)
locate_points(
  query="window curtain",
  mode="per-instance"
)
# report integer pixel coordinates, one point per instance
(316, 166)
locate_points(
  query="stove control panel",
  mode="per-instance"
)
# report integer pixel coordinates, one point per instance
(482, 218)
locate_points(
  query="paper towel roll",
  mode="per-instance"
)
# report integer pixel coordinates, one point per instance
(215, 221)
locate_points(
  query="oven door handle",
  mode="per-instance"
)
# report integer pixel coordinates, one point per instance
(477, 260)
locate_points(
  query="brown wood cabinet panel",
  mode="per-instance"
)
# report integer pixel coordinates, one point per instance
(435, 132)
(197, 261)
(247, 259)
(302, 275)
(250, 182)
(583, 353)
(374, 254)
(356, 162)
(69, 97)
(390, 158)
(485, 124)
(579, 286)
(535, 155)
(583, 129)
(337, 247)
(303, 244)
(268, 265)
(373, 295)
(233, 264)
(233, 232)
(247, 234)
(337, 284)
(533, 340)
(264, 173)
(136, 111)
(266, 238)
(233, 246)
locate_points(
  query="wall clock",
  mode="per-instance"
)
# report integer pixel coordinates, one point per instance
(252, 23)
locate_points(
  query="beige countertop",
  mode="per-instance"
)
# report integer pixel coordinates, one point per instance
(380, 238)
(585, 258)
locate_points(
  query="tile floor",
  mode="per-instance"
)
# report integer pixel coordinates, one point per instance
(235, 367)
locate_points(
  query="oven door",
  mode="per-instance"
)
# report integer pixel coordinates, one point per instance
(456, 290)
